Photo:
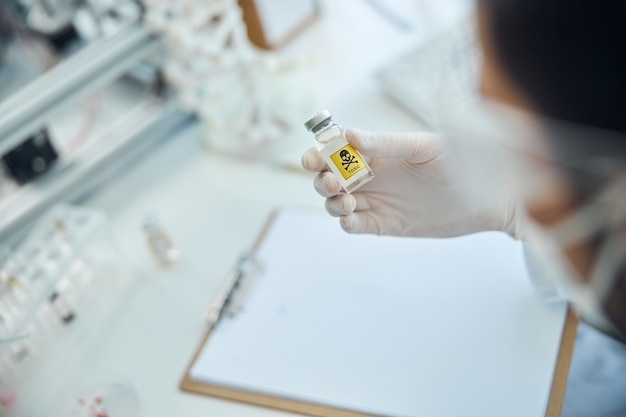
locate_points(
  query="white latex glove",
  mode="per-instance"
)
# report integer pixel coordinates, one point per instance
(412, 193)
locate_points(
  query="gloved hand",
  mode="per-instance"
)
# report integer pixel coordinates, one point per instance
(412, 193)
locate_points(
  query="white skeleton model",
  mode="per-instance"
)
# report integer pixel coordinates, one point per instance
(242, 94)
(96, 18)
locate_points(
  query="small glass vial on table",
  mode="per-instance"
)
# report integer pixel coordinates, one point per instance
(343, 160)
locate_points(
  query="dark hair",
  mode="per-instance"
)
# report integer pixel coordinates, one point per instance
(568, 58)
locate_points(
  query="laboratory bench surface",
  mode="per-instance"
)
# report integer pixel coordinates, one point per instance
(213, 206)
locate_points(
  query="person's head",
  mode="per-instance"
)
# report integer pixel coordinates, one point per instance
(565, 60)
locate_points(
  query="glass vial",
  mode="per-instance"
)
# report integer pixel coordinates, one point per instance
(160, 243)
(343, 160)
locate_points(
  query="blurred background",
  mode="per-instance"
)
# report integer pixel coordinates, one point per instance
(144, 143)
(74, 71)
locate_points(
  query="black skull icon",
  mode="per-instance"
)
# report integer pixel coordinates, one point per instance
(347, 159)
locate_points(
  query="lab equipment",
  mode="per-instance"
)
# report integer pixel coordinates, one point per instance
(97, 66)
(61, 20)
(31, 158)
(56, 285)
(97, 18)
(351, 170)
(43, 88)
(414, 193)
(13, 339)
(160, 243)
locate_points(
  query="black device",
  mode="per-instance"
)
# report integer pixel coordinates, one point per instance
(30, 159)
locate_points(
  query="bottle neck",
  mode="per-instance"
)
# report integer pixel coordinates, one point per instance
(322, 126)
(328, 132)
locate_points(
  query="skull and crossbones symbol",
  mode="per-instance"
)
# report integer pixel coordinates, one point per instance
(347, 159)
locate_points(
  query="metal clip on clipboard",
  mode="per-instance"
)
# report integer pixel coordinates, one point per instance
(233, 289)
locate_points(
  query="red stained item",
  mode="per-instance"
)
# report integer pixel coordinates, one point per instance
(8, 398)
(103, 414)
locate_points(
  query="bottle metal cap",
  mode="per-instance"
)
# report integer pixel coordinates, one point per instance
(321, 116)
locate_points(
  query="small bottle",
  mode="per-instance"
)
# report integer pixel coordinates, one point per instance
(160, 243)
(342, 159)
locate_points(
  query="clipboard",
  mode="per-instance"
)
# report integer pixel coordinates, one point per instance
(312, 408)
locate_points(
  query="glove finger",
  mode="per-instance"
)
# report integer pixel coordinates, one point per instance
(326, 184)
(359, 223)
(340, 205)
(418, 148)
(311, 160)
(361, 202)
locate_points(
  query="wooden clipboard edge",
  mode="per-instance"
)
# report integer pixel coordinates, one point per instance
(256, 34)
(561, 369)
(269, 401)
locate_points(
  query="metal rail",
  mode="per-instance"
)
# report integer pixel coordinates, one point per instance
(71, 180)
(98, 64)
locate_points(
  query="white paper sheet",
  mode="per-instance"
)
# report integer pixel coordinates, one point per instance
(391, 326)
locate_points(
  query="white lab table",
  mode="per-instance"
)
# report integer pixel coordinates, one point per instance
(213, 206)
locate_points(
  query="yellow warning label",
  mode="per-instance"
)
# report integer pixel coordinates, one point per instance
(347, 161)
